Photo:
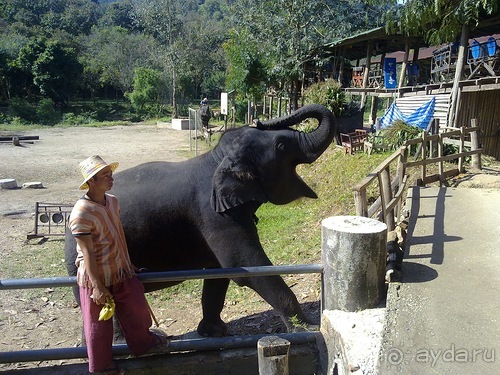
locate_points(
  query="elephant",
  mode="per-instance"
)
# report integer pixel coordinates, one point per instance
(200, 213)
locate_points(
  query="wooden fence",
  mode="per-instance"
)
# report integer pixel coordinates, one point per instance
(430, 150)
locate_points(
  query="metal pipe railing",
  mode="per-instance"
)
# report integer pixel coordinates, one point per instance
(151, 277)
(212, 343)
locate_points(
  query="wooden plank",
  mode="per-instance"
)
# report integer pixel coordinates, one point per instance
(20, 137)
(368, 179)
(443, 158)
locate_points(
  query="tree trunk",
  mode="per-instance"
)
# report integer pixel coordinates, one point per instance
(174, 91)
(464, 41)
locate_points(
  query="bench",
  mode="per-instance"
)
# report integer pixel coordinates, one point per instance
(352, 142)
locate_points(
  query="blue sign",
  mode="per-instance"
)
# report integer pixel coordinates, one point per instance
(390, 81)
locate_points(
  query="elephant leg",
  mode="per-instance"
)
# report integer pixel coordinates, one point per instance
(274, 291)
(212, 300)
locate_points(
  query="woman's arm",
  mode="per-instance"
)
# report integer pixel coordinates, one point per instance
(100, 292)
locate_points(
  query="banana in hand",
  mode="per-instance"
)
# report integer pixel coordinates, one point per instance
(108, 309)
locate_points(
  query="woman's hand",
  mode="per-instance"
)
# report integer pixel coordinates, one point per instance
(99, 294)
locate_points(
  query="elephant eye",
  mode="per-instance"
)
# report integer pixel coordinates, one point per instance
(280, 147)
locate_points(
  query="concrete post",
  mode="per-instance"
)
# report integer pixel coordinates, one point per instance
(354, 259)
(273, 355)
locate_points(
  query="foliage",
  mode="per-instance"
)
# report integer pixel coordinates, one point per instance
(288, 32)
(440, 21)
(111, 54)
(56, 72)
(79, 49)
(328, 93)
(398, 133)
(22, 109)
(145, 97)
(46, 113)
(247, 71)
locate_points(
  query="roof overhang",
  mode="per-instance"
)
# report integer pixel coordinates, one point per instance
(356, 46)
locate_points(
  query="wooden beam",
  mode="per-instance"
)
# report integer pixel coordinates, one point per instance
(402, 75)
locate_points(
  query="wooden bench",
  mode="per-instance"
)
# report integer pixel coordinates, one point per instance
(352, 142)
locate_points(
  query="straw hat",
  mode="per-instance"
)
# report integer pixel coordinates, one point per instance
(92, 165)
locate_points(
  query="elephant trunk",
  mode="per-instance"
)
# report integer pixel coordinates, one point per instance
(312, 144)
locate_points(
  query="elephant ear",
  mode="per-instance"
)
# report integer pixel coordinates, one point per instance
(235, 183)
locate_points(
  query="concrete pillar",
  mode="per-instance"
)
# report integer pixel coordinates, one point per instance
(354, 259)
(273, 355)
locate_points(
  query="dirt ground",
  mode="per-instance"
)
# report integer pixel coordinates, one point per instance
(47, 317)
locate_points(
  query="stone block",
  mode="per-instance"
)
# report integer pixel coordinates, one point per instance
(33, 185)
(181, 124)
(8, 183)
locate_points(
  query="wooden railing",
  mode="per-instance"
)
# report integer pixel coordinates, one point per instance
(387, 206)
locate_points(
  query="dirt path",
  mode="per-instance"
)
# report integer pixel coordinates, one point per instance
(48, 318)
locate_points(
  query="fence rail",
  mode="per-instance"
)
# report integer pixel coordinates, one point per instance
(151, 277)
(430, 150)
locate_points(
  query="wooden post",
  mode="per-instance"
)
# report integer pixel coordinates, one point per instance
(271, 102)
(334, 70)
(474, 141)
(361, 202)
(366, 74)
(402, 75)
(273, 355)
(464, 41)
(434, 130)
(373, 110)
(440, 155)
(341, 68)
(384, 182)
(424, 158)
(354, 258)
(461, 167)
(400, 174)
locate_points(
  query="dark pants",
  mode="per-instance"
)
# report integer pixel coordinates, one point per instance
(132, 312)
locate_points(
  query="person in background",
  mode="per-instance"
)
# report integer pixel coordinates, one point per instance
(205, 113)
(105, 272)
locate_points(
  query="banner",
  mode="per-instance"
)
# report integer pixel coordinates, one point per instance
(390, 81)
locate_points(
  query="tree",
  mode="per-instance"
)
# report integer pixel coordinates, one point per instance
(56, 72)
(203, 59)
(73, 16)
(440, 21)
(289, 31)
(146, 95)
(247, 71)
(118, 14)
(163, 19)
(110, 55)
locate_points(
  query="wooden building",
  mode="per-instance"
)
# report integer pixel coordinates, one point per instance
(463, 75)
